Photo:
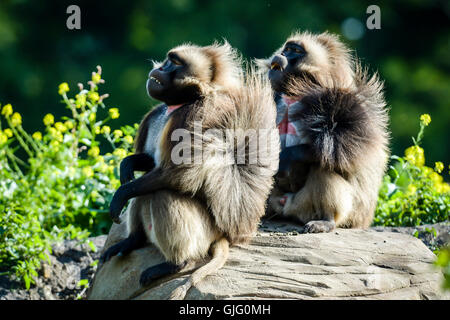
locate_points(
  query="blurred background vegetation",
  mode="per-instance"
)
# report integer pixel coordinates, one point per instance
(38, 52)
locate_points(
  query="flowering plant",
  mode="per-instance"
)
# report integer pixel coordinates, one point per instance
(63, 188)
(412, 193)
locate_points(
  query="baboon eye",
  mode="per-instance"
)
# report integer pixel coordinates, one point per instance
(176, 62)
(298, 50)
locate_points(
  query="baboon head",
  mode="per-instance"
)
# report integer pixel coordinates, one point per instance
(320, 58)
(191, 71)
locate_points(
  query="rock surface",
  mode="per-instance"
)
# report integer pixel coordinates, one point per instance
(282, 263)
(70, 262)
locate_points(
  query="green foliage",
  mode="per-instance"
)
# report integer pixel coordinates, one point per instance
(412, 193)
(125, 35)
(443, 261)
(63, 189)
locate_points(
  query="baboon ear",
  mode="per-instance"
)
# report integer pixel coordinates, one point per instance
(330, 41)
(225, 63)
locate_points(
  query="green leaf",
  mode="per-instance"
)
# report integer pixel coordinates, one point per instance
(92, 246)
(83, 283)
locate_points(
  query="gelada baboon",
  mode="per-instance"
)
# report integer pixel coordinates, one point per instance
(188, 208)
(332, 121)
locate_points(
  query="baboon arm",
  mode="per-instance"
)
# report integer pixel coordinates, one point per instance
(135, 162)
(299, 153)
(148, 183)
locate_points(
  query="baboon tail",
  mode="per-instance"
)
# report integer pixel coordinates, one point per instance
(219, 252)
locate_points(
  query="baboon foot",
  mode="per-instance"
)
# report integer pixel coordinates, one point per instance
(159, 271)
(319, 226)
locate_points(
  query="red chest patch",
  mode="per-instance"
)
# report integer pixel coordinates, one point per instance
(285, 127)
(171, 109)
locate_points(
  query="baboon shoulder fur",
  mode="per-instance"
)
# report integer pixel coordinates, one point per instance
(235, 194)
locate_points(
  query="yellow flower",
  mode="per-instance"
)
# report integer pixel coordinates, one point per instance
(88, 172)
(106, 130)
(436, 177)
(93, 96)
(63, 88)
(442, 187)
(49, 119)
(92, 117)
(111, 170)
(7, 110)
(3, 138)
(411, 189)
(60, 127)
(8, 132)
(72, 172)
(115, 183)
(37, 136)
(16, 119)
(121, 153)
(415, 155)
(55, 134)
(81, 100)
(95, 194)
(53, 131)
(97, 130)
(114, 113)
(425, 119)
(68, 124)
(438, 166)
(427, 170)
(96, 77)
(117, 134)
(103, 168)
(128, 139)
(94, 152)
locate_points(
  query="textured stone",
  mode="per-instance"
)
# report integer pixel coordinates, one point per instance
(282, 263)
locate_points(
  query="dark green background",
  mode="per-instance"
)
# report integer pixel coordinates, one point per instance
(37, 51)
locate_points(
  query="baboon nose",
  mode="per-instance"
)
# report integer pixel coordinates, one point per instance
(278, 62)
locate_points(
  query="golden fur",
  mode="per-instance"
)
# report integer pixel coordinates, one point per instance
(345, 118)
(213, 203)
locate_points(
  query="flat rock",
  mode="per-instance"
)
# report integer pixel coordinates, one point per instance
(283, 263)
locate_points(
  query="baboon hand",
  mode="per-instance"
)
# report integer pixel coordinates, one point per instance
(126, 176)
(118, 202)
(115, 250)
(139, 162)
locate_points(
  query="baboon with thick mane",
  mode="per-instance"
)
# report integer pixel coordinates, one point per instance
(333, 122)
(186, 209)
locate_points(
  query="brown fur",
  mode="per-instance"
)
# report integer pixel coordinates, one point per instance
(210, 204)
(346, 120)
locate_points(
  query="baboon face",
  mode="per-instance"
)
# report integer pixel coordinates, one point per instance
(316, 58)
(286, 64)
(189, 69)
(168, 81)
